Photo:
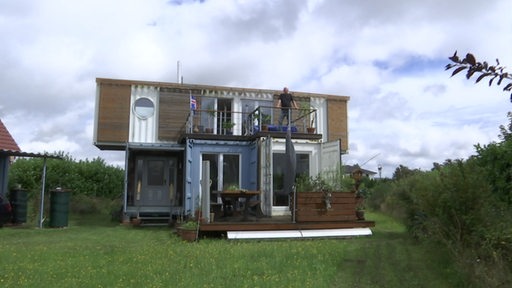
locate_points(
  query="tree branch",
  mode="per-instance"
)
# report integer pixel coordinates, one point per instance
(484, 70)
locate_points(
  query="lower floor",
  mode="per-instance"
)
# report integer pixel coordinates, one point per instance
(176, 180)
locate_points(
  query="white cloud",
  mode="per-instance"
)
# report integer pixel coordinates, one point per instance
(389, 56)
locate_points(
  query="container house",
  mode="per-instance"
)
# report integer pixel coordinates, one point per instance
(186, 144)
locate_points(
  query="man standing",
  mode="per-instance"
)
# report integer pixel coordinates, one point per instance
(285, 103)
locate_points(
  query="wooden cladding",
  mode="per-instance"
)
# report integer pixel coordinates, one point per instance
(173, 108)
(311, 207)
(113, 113)
(173, 114)
(337, 122)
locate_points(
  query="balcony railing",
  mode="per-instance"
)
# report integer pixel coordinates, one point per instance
(260, 120)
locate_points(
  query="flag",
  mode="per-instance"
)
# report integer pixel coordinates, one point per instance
(193, 102)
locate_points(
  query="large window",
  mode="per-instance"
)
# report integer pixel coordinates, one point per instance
(279, 167)
(231, 171)
(208, 107)
(249, 105)
(225, 175)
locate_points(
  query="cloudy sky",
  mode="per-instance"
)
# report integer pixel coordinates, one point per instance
(387, 55)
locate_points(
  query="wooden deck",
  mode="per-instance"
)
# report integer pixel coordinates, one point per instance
(278, 223)
(310, 215)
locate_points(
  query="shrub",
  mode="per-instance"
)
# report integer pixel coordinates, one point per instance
(456, 204)
(332, 180)
(94, 178)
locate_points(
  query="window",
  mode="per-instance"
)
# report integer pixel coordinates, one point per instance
(249, 105)
(224, 175)
(144, 108)
(155, 172)
(231, 170)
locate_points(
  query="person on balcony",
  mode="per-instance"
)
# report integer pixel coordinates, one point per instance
(285, 102)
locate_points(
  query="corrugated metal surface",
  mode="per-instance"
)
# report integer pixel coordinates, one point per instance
(143, 129)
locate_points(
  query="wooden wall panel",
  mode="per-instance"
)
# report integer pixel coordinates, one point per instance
(174, 108)
(311, 207)
(113, 113)
(337, 118)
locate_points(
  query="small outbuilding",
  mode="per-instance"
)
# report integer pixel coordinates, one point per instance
(8, 148)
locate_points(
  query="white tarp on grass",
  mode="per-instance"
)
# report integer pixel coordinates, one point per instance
(281, 234)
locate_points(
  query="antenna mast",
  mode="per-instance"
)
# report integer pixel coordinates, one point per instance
(179, 78)
(370, 159)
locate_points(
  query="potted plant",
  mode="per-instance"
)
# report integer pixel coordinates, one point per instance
(360, 212)
(188, 230)
(265, 121)
(307, 112)
(228, 125)
(231, 187)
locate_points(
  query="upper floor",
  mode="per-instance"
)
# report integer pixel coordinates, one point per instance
(155, 112)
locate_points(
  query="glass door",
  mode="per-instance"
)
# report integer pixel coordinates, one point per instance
(156, 181)
(227, 174)
(279, 197)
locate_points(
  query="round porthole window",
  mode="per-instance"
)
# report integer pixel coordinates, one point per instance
(144, 108)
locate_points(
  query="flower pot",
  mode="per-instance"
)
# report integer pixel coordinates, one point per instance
(360, 214)
(188, 235)
(208, 130)
(311, 130)
(136, 221)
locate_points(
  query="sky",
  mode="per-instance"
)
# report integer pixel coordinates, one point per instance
(387, 55)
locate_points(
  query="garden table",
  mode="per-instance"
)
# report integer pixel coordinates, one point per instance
(235, 195)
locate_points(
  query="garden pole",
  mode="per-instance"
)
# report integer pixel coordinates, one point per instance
(41, 202)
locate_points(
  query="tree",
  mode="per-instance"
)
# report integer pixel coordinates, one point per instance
(483, 69)
(402, 172)
(506, 131)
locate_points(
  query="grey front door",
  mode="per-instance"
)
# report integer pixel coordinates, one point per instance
(158, 181)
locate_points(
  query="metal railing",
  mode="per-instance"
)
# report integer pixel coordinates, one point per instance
(261, 119)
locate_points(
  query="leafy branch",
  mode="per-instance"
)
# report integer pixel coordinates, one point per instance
(484, 70)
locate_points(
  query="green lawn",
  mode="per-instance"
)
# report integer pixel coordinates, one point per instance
(111, 255)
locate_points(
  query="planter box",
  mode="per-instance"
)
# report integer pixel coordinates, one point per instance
(311, 207)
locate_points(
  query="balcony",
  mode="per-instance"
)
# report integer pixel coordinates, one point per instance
(261, 121)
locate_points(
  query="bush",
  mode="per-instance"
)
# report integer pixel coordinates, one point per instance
(333, 180)
(93, 178)
(455, 204)
(376, 201)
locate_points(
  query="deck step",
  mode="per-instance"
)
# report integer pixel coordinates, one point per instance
(151, 221)
(313, 233)
(154, 224)
(154, 218)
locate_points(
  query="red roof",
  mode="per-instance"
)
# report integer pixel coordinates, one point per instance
(6, 140)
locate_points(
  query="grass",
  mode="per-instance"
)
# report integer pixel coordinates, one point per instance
(109, 255)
